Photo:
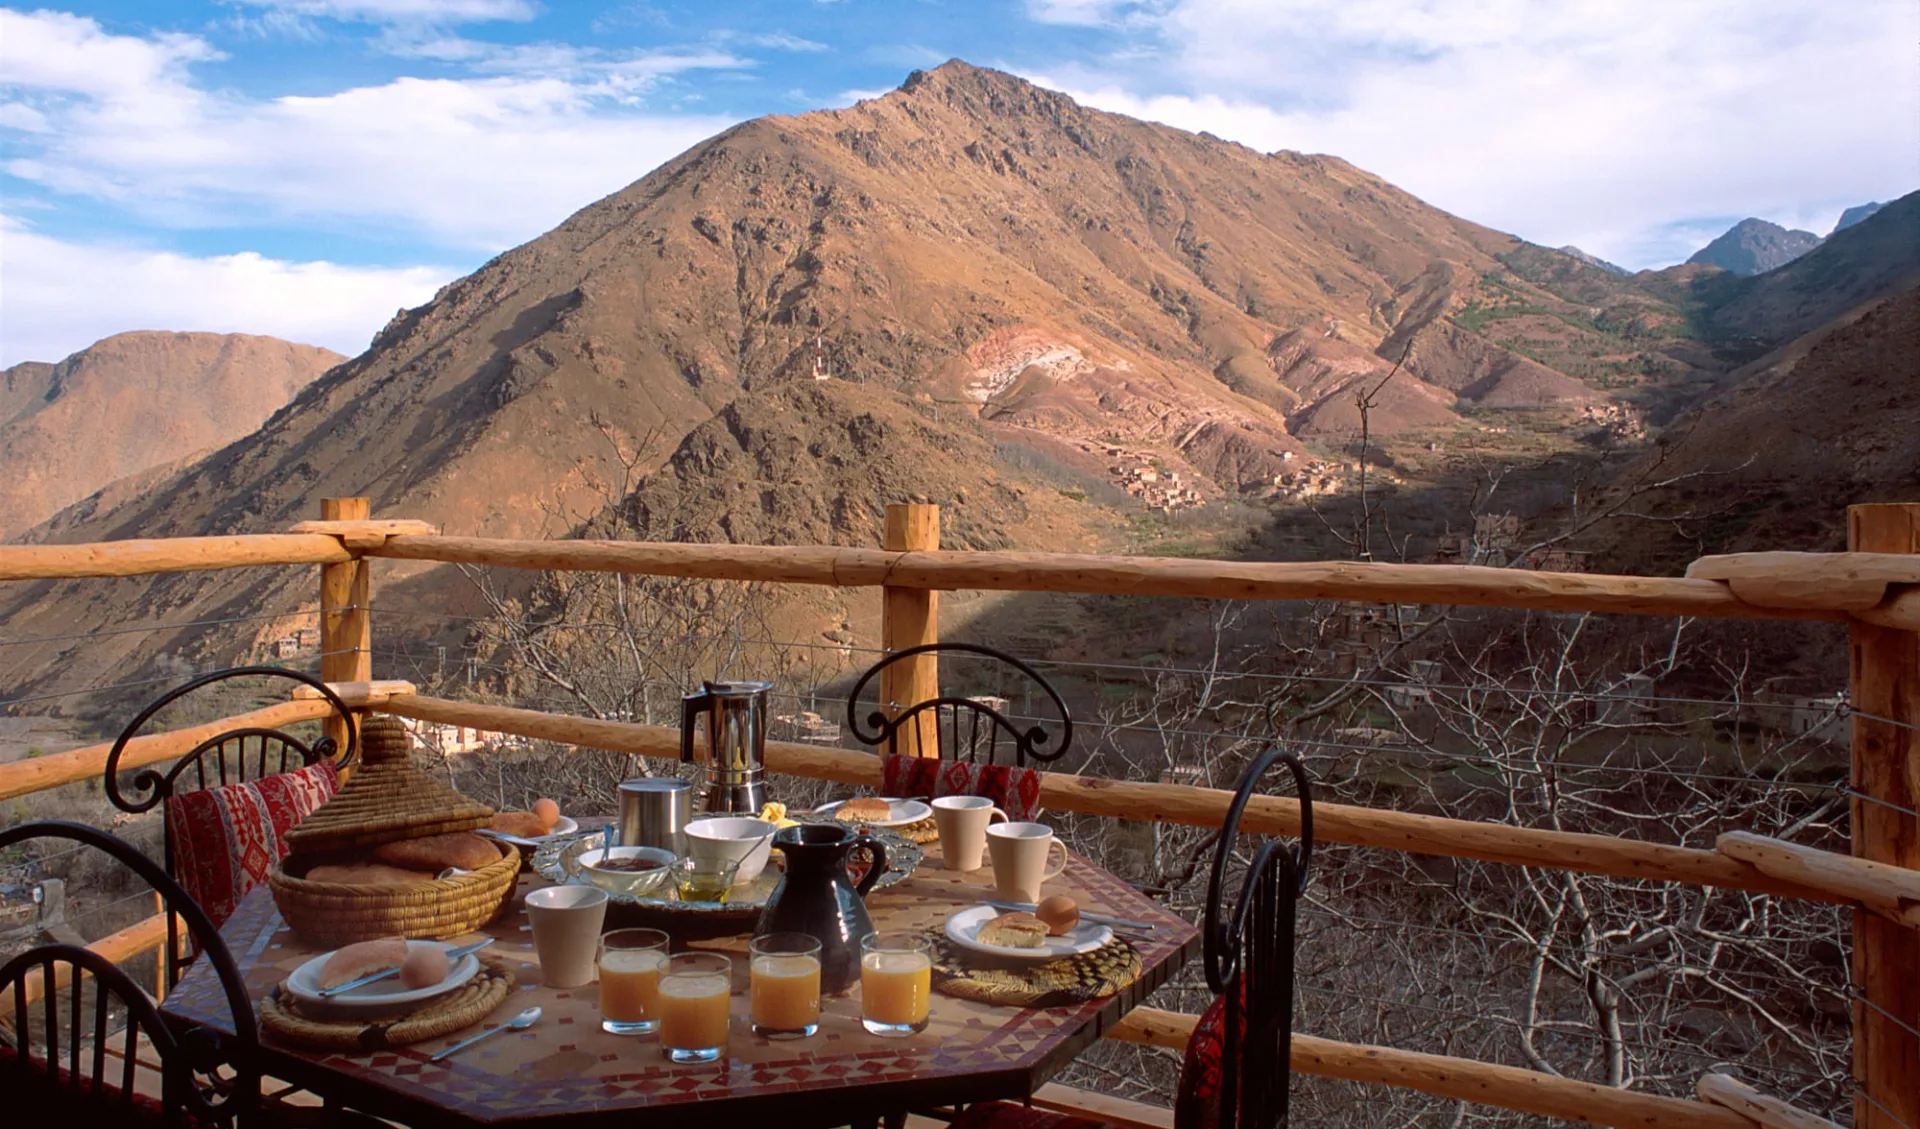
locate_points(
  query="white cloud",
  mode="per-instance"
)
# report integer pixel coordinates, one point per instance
(476, 163)
(1607, 123)
(58, 296)
(405, 11)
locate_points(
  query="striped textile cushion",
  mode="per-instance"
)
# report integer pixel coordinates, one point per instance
(226, 839)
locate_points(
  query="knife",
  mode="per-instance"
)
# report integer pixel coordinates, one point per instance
(452, 955)
(1095, 918)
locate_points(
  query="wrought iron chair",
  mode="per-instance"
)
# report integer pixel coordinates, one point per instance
(1236, 1073)
(244, 755)
(969, 729)
(204, 1077)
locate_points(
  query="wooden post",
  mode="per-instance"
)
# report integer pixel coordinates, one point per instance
(346, 630)
(910, 617)
(1886, 767)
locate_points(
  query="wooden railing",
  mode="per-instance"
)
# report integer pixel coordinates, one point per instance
(1876, 591)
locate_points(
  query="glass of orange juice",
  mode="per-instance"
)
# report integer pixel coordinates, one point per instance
(896, 983)
(785, 990)
(630, 964)
(694, 993)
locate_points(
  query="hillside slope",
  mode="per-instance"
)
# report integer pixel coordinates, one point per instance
(977, 264)
(131, 403)
(1774, 462)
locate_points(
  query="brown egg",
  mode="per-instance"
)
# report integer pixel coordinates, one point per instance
(548, 811)
(1060, 913)
(424, 967)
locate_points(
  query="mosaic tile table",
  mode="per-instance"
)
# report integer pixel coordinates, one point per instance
(565, 1069)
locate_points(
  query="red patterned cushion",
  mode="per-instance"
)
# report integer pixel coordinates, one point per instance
(1015, 791)
(1197, 1105)
(226, 839)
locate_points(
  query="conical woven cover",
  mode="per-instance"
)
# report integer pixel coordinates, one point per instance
(386, 800)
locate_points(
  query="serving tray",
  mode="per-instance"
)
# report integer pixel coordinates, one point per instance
(744, 902)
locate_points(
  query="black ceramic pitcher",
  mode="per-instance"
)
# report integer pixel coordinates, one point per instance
(816, 897)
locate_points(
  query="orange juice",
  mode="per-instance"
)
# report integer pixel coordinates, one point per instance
(629, 984)
(895, 988)
(693, 1014)
(786, 992)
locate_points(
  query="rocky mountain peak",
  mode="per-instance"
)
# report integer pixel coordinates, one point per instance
(1754, 246)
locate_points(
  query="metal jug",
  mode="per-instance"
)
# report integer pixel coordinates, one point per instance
(736, 715)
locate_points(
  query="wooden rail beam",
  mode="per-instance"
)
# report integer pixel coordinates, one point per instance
(1468, 585)
(1890, 891)
(1179, 803)
(346, 627)
(141, 937)
(89, 762)
(1508, 1087)
(167, 554)
(1770, 1113)
(1885, 777)
(910, 617)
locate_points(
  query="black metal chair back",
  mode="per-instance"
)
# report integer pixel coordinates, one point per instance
(223, 758)
(205, 1076)
(969, 730)
(1249, 955)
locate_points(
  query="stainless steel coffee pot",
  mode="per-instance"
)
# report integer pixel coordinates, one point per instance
(736, 716)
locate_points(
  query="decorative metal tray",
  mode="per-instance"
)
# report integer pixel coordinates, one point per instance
(552, 862)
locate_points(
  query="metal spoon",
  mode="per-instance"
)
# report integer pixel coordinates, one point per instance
(519, 1022)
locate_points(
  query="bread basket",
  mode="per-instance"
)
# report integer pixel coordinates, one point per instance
(386, 801)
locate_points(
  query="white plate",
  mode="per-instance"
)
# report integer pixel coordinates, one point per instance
(381, 995)
(900, 812)
(565, 825)
(963, 929)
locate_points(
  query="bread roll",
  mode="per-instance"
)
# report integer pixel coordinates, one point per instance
(366, 874)
(363, 958)
(1060, 913)
(1014, 931)
(864, 810)
(548, 811)
(463, 849)
(425, 966)
(526, 824)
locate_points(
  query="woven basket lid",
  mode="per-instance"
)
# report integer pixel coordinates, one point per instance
(387, 799)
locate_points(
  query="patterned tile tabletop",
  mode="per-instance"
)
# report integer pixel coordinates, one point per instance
(566, 1066)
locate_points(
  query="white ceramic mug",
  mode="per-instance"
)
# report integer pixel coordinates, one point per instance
(962, 822)
(1020, 853)
(566, 932)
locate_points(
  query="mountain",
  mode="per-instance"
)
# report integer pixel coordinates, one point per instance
(1871, 260)
(1754, 246)
(1022, 305)
(1595, 260)
(132, 403)
(1855, 214)
(1775, 461)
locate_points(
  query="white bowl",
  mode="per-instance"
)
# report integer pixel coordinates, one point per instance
(634, 882)
(728, 839)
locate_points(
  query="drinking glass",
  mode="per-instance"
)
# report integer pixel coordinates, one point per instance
(630, 965)
(896, 983)
(694, 992)
(785, 989)
(703, 879)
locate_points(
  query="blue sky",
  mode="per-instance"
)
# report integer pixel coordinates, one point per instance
(306, 167)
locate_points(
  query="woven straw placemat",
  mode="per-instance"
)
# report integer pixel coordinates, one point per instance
(1057, 983)
(467, 1005)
